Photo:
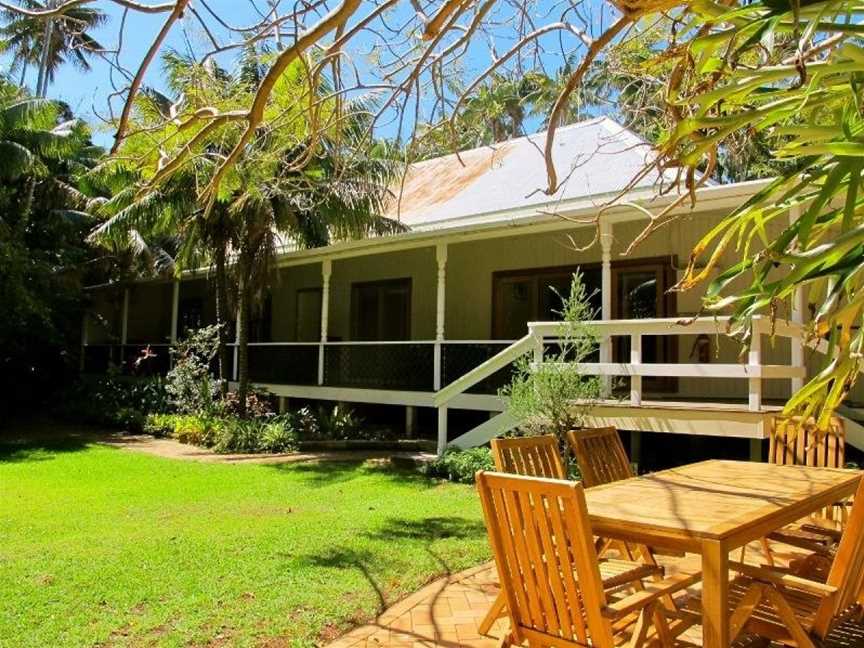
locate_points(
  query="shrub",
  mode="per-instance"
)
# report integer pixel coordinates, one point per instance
(192, 388)
(159, 425)
(114, 400)
(554, 396)
(339, 423)
(278, 435)
(305, 423)
(237, 435)
(257, 404)
(461, 465)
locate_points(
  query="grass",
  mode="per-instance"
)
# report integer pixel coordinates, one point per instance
(101, 546)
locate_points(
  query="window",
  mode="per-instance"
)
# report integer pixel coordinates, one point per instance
(261, 321)
(536, 295)
(640, 291)
(190, 316)
(381, 310)
(308, 317)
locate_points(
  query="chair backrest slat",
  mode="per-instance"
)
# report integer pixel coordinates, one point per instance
(535, 456)
(600, 455)
(793, 442)
(543, 545)
(847, 569)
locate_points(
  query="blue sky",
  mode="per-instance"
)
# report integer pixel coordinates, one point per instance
(87, 92)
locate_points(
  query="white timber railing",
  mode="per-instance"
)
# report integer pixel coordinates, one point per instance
(542, 333)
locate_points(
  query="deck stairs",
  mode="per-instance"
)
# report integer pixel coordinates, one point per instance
(749, 420)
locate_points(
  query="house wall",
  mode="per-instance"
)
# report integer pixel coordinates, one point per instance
(199, 289)
(470, 269)
(103, 322)
(419, 265)
(284, 298)
(150, 313)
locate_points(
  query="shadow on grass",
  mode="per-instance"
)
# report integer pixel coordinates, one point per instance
(424, 531)
(428, 529)
(328, 473)
(353, 559)
(41, 440)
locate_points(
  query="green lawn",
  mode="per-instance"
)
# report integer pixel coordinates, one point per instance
(100, 546)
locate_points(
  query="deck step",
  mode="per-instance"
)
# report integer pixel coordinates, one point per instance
(495, 426)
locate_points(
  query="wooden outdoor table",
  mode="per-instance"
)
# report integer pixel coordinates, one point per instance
(711, 508)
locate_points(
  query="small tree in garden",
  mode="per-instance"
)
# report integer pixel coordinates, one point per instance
(555, 396)
(190, 385)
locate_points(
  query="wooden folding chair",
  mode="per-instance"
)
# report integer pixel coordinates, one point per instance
(792, 609)
(796, 442)
(602, 459)
(533, 456)
(538, 456)
(551, 576)
(600, 455)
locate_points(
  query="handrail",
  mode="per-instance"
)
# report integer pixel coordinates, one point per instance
(502, 359)
(669, 326)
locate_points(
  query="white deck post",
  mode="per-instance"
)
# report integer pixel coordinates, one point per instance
(235, 371)
(539, 346)
(441, 294)
(754, 359)
(606, 295)
(410, 421)
(326, 271)
(797, 316)
(442, 429)
(175, 310)
(636, 359)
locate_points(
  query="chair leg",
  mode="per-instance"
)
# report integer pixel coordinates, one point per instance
(643, 623)
(496, 611)
(766, 549)
(787, 615)
(749, 602)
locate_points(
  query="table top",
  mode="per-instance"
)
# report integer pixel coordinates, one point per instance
(715, 499)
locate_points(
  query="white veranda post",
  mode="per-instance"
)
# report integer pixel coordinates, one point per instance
(326, 271)
(606, 294)
(175, 310)
(175, 313)
(441, 259)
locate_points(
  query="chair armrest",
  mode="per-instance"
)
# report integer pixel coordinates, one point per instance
(785, 580)
(834, 534)
(651, 592)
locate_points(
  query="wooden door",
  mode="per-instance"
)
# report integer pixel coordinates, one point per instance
(639, 291)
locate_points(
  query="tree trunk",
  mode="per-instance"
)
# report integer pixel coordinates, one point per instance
(222, 316)
(242, 343)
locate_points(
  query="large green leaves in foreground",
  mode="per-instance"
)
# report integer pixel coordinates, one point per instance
(793, 73)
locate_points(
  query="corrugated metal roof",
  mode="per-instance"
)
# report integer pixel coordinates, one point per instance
(598, 157)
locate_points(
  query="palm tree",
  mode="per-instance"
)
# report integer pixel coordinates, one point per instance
(333, 193)
(42, 224)
(68, 36)
(39, 149)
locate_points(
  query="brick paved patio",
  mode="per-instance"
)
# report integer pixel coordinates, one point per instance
(447, 612)
(444, 613)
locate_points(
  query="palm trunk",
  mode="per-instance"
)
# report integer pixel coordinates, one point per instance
(243, 342)
(221, 316)
(42, 81)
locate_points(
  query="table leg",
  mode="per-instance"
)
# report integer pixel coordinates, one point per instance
(715, 594)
